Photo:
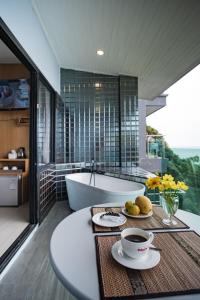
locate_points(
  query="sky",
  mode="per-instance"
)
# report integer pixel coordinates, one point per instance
(179, 121)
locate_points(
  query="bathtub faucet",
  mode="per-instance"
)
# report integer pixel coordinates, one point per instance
(92, 171)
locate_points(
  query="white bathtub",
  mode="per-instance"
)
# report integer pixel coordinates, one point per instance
(106, 189)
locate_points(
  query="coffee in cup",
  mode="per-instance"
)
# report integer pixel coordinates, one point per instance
(136, 242)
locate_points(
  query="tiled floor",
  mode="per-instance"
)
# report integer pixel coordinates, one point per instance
(31, 276)
(13, 220)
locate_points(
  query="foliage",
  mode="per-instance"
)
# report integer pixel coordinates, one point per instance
(184, 169)
(151, 131)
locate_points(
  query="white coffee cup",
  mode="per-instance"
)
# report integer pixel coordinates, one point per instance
(136, 249)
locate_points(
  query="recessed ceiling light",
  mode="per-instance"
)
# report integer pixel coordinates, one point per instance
(100, 52)
(97, 84)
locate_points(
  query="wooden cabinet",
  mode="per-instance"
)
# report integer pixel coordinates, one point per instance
(23, 166)
(14, 131)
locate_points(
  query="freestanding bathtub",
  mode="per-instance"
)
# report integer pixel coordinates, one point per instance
(106, 189)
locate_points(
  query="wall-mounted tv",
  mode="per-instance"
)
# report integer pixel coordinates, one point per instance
(14, 94)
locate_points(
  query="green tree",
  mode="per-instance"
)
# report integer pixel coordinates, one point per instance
(187, 170)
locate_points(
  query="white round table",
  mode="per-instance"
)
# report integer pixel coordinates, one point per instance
(73, 254)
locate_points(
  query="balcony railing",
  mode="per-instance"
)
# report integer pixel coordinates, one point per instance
(155, 146)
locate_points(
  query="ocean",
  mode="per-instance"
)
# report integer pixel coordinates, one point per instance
(186, 152)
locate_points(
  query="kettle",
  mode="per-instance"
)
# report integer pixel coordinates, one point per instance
(21, 153)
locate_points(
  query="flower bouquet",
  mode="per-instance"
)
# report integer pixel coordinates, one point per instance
(169, 191)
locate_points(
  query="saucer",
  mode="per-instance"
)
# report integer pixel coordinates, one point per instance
(140, 216)
(110, 221)
(147, 262)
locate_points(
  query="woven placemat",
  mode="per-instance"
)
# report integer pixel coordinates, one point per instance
(177, 273)
(154, 222)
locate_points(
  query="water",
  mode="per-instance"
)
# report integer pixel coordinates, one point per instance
(186, 152)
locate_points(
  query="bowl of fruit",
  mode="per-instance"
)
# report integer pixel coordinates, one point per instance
(140, 208)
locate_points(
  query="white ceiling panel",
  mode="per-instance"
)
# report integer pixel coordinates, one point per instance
(156, 40)
(6, 56)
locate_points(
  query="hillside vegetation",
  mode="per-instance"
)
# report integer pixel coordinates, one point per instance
(184, 169)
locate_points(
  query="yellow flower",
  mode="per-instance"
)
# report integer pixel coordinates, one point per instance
(173, 185)
(153, 182)
(166, 184)
(182, 186)
(161, 187)
(168, 177)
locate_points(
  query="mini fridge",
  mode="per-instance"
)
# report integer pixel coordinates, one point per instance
(10, 190)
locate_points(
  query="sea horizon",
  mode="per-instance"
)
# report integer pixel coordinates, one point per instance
(185, 152)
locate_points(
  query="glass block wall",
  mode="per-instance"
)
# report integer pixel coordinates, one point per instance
(47, 190)
(129, 121)
(60, 131)
(43, 124)
(101, 113)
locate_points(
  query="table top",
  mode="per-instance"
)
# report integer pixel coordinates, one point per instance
(73, 254)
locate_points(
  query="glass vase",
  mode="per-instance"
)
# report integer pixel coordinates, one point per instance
(170, 203)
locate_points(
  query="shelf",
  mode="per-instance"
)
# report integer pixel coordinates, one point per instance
(22, 163)
(22, 122)
(15, 160)
(10, 172)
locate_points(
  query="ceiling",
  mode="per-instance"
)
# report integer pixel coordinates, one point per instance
(6, 56)
(156, 40)
(155, 105)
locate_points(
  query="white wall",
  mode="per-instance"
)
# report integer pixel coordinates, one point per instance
(20, 17)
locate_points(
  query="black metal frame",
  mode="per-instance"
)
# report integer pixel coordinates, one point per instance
(52, 112)
(33, 147)
(7, 256)
(42, 168)
(8, 38)
(35, 75)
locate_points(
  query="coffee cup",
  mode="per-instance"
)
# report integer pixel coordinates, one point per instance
(136, 242)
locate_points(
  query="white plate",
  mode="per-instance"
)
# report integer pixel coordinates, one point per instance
(147, 262)
(108, 221)
(141, 216)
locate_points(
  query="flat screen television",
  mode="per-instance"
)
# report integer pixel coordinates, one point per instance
(14, 94)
